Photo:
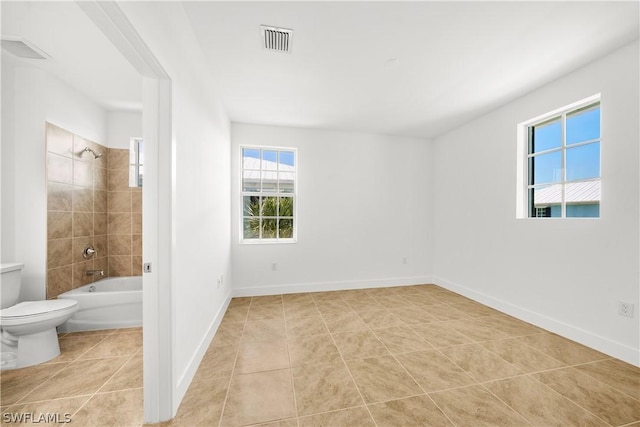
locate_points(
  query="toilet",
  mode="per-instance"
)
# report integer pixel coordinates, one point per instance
(28, 329)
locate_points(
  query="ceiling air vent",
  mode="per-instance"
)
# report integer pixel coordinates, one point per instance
(22, 48)
(277, 39)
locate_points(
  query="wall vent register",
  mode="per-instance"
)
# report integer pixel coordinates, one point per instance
(276, 39)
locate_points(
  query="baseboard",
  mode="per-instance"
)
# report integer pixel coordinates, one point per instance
(187, 376)
(612, 348)
(328, 286)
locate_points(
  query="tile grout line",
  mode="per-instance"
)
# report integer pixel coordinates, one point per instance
(235, 360)
(344, 362)
(293, 384)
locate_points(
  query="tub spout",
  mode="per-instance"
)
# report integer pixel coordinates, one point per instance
(95, 272)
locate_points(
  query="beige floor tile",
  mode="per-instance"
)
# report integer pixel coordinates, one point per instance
(17, 383)
(300, 309)
(510, 326)
(306, 326)
(116, 345)
(475, 330)
(236, 314)
(267, 299)
(379, 318)
(264, 330)
(202, 404)
(259, 397)
(359, 345)
(433, 371)
(129, 376)
(239, 302)
(401, 339)
(289, 422)
(379, 292)
(60, 409)
(418, 411)
(382, 378)
(519, 354)
(421, 299)
(77, 379)
(324, 388)
(228, 333)
(481, 364)
(444, 312)
(475, 406)
(471, 308)
(365, 303)
(352, 417)
(74, 346)
(392, 301)
(613, 406)
(413, 315)
(541, 405)
(440, 335)
(313, 349)
(563, 349)
(344, 322)
(326, 296)
(266, 311)
(449, 297)
(327, 308)
(118, 408)
(217, 362)
(302, 297)
(617, 374)
(353, 294)
(258, 356)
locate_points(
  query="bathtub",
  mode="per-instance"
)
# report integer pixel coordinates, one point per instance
(115, 302)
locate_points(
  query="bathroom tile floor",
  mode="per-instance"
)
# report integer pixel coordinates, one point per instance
(402, 356)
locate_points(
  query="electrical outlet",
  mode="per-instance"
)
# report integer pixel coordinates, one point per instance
(220, 280)
(625, 309)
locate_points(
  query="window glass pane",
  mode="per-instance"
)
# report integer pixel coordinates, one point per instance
(546, 136)
(270, 181)
(251, 206)
(583, 162)
(545, 168)
(251, 228)
(269, 206)
(285, 228)
(590, 210)
(545, 201)
(286, 180)
(269, 160)
(251, 181)
(269, 229)
(583, 125)
(250, 158)
(287, 158)
(286, 206)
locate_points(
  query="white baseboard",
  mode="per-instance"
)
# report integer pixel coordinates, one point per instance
(328, 286)
(187, 376)
(612, 348)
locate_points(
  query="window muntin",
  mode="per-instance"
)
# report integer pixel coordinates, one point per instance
(268, 194)
(563, 162)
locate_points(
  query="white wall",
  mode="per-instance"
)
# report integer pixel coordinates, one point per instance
(31, 97)
(364, 204)
(121, 127)
(565, 275)
(200, 193)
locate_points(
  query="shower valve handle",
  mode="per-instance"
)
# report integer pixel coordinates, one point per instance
(88, 252)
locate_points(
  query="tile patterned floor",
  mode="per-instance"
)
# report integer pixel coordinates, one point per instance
(404, 356)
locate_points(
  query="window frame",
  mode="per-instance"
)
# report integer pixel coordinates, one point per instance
(294, 195)
(524, 208)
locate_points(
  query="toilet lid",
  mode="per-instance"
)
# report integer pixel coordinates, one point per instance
(34, 308)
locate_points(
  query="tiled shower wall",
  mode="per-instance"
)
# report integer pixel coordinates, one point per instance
(81, 190)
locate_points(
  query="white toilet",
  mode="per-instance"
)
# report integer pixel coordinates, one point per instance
(29, 335)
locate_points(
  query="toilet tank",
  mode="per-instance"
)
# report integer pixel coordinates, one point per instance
(10, 284)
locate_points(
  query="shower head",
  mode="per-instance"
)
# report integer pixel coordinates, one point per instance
(96, 155)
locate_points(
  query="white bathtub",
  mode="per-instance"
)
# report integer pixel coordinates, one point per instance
(115, 302)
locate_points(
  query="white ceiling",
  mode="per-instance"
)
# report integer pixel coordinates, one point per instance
(402, 68)
(80, 54)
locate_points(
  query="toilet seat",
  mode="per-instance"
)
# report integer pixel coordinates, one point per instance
(35, 310)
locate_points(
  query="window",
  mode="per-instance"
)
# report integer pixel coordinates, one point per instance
(268, 195)
(136, 157)
(563, 163)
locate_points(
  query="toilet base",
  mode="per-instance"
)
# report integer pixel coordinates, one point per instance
(33, 349)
